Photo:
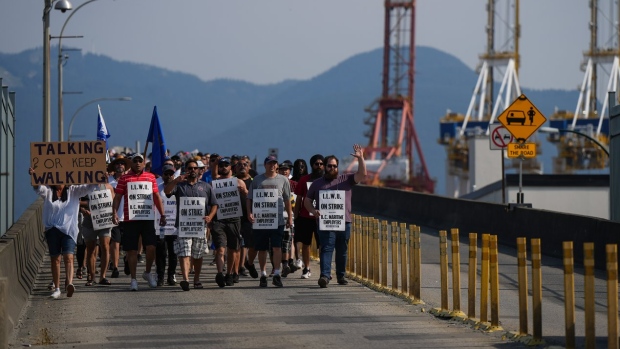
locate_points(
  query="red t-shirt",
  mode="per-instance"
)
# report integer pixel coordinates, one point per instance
(301, 190)
(121, 187)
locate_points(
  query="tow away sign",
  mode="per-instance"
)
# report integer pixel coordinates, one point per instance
(525, 150)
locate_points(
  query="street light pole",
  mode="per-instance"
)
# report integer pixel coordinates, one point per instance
(557, 130)
(60, 63)
(91, 102)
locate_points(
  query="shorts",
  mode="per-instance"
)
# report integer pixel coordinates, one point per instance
(287, 239)
(263, 238)
(117, 232)
(90, 234)
(59, 243)
(247, 234)
(305, 228)
(227, 233)
(186, 247)
(132, 230)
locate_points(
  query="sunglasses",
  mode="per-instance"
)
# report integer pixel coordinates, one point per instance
(331, 166)
(318, 164)
(137, 161)
(191, 168)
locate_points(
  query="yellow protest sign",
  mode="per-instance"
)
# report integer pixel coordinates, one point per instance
(68, 163)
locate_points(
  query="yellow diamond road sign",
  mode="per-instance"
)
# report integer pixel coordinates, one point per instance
(522, 118)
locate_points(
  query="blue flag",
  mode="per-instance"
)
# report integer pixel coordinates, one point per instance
(156, 136)
(102, 132)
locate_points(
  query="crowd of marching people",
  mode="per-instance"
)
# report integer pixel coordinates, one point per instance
(197, 206)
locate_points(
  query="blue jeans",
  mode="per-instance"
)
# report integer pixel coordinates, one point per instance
(338, 240)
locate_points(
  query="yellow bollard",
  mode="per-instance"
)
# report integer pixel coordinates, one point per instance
(612, 295)
(403, 258)
(358, 249)
(417, 267)
(536, 293)
(376, 246)
(351, 249)
(371, 250)
(588, 263)
(443, 268)
(384, 252)
(473, 267)
(394, 237)
(456, 276)
(411, 253)
(484, 279)
(569, 294)
(522, 280)
(364, 237)
(494, 279)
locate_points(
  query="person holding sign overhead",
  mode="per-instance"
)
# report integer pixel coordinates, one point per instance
(269, 194)
(332, 193)
(137, 189)
(60, 219)
(196, 206)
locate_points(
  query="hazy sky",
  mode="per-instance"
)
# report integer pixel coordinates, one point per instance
(270, 40)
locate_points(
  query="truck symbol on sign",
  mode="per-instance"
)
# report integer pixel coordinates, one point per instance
(516, 116)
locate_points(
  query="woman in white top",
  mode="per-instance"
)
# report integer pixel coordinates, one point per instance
(60, 219)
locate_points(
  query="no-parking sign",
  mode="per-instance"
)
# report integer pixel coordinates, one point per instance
(499, 137)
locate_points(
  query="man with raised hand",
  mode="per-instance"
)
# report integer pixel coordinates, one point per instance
(268, 197)
(138, 190)
(196, 207)
(332, 193)
(229, 192)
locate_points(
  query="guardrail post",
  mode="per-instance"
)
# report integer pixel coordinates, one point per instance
(443, 268)
(522, 277)
(417, 268)
(456, 275)
(588, 263)
(358, 248)
(364, 248)
(473, 267)
(569, 294)
(376, 246)
(394, 237)
(351, 249)
(403, 258)
(494, 274)
(484, 280)
(612, 295)
(536, 293)
(384, 252)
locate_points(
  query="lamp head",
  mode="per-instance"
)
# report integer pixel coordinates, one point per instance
(63, 6)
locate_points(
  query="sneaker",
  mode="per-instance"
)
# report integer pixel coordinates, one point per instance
(70, 290)
(220, 279)
(293, 267)
(277, 281)
(323, 281)
(150, 278)
(306, 273)
(134, 285)
(140, 259)
(299, 264)
(115, 273)
(229, 280)
(126, 266)
(263, 281)
(55, 294)
(184, 285)
(286, 270)
(235, 278)
(243, 271)
(252, 269)
(172, 280)
(342, 281)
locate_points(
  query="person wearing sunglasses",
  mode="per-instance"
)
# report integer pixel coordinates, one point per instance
(332, 193)
(138, 189)
(305, 222)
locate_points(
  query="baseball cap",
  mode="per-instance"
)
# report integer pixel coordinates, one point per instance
(200, 164)
(225, 160)
(137, 155)
(270, 158)
(167, 167)
(286, 164)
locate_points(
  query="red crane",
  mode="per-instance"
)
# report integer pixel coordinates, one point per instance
(393, 131)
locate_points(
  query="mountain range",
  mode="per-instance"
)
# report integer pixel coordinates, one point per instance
(300, 118)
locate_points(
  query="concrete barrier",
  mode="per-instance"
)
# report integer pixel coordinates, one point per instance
(21, 250)
(444, 213)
